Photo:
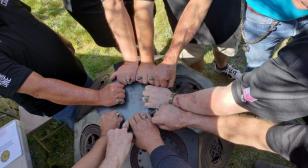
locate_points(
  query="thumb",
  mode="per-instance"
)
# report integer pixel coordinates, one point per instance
(171, 82)
(157, 120)
(113, 76)
(125, 125)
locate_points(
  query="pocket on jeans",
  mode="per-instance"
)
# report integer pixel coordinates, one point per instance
(255, 26)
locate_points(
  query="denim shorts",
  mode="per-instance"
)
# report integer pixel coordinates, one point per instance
(262, 34)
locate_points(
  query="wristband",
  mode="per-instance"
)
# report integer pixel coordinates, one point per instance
(171, 98)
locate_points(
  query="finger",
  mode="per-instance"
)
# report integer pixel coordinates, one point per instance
(164, 127)
(118, 85)
(148, 117)
(157, 83)
(143, 116)
(120, 119)
(145, 79)
(119, 101)
(130, 137)
(132, 78)
(132, 123)
(122, 79)
(171, 82)
(137, 117)
(113, 76)
(157, 120)
(139, 79)
(149, 105)
(120, 96)
(152, 82)
(125, 125)
(164, 83)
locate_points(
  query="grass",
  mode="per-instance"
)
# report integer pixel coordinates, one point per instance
(52, 144)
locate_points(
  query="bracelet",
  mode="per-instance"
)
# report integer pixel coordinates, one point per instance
(171, 98)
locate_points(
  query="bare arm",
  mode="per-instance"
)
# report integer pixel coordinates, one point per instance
(144, 26)
(238, 129)
(96, 155)
(64, 93)
(215, 101)
(121, 26)
(189, 23)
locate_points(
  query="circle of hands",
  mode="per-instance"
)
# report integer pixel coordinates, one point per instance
(145, 128)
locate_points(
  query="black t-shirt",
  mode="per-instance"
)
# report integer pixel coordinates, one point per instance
(222, 19)
(27, 45)
(290, 141)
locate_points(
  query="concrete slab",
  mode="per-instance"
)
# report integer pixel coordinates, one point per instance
(31, 122)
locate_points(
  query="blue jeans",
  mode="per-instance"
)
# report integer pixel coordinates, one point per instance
(255, 26)
(67, 115)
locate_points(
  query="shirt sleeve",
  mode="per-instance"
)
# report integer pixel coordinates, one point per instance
(278, 89)
(163, 157)
(291, 142)
(12, 75)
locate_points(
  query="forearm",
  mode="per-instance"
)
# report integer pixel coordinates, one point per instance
(110, 162)
(121, 26)
(217, 101)
(189, 23)
(144, 25)
(58, 91)
(94, 158)
(237, 129)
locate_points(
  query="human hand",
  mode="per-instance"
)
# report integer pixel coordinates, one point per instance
(146, 133)
(110, 120)
(145, 73)
(165, 75)
(126, 74)
(154, 96)
(171, 118)
(112, 94)
(119, 142)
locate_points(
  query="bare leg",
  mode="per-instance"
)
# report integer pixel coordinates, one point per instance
(221, 59)
(238, 129)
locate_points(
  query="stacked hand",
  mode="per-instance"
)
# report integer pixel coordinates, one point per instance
(126, 74)
(154, 96)
(162, 75)
(118, 145)
(118, 140)
(145, 73)
(112, 94)
(165, 75)
(146, 133)
(171, 118)
(110, 120)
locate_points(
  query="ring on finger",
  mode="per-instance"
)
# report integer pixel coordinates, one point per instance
(119, 101)
(129, 81)
(143, 116)
(139, 78)
(151, 78)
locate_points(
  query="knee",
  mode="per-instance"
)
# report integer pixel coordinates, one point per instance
(113, 4)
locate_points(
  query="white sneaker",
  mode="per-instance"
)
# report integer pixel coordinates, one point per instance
(233, 73)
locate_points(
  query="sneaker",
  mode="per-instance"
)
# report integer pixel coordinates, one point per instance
(233, 73)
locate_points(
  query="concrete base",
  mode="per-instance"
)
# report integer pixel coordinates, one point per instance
(31, 122)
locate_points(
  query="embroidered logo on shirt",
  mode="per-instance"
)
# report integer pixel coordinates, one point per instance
(4, 2)
(4, 81)
(246, 97)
